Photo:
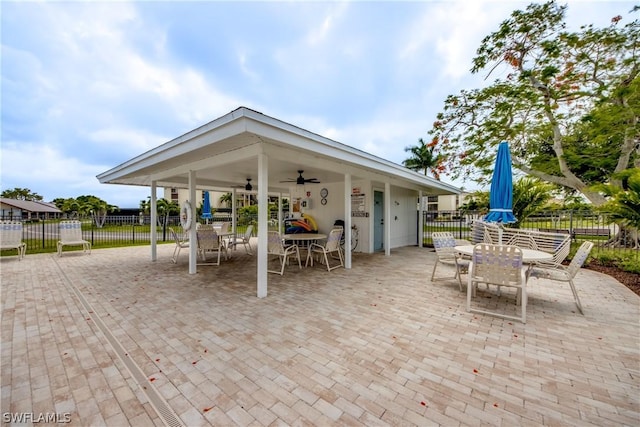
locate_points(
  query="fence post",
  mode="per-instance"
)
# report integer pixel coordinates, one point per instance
(43, 236)
(571, 222)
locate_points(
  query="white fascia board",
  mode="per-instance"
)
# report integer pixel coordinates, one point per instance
(342, 154)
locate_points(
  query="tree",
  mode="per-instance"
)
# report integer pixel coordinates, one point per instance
(226, 199)
(96, 208)
(424, 159)
(20, 194)
(166, 208)
(568, 102)
(624, 203)
(84, 206)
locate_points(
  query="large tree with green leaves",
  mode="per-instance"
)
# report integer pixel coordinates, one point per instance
(424, 159)
(20, 194)
(568, 102)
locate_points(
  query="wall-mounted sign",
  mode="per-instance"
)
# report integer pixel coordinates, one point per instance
(355, 190)
(357, 204)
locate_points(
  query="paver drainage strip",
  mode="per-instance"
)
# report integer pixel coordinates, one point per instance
(159, 404)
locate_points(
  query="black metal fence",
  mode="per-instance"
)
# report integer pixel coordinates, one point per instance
(129, 230)
(580, 225)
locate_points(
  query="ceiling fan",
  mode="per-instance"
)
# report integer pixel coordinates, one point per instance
(247, 186)
(300, 180)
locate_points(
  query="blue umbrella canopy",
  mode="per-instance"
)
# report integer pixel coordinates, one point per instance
(206, 206)
(501, 193)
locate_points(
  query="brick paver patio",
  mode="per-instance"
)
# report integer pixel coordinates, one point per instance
(114, 339)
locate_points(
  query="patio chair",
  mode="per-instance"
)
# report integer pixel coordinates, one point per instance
(210, 242)
(180, 244)
(498, 265)
(444, 243)
(11, 237)
(71, 235)
(331, 247)
(245, 240)
(277, 248)
(563, 273)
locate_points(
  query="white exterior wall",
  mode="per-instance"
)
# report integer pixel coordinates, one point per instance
(403, 219)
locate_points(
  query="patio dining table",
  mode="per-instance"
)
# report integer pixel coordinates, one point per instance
(304, 239)
(529, 256)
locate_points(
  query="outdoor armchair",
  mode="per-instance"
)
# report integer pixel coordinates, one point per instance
(276, 248)
(11, 237)
(329, 250)
(563, 273)
(497, 265)
(444, 244)
(209, 242)
(244, 240)
(180, 244)
(71, 235)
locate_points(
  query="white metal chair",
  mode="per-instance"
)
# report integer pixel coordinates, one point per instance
(331, 247)
(444, 242)
(563, 273)
(180, 244)
(11, 237)
(277, 248)
(498, 265)
(71, 235)
(245, 240)
(210, 242)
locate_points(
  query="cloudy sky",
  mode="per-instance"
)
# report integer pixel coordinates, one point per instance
(89, 85)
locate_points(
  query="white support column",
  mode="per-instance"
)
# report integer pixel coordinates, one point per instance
(234, 214)
(263, 227)
(193, 240)
(280, 213)
(153, 221)
(347, 221)
(387, 218)
(420, 221)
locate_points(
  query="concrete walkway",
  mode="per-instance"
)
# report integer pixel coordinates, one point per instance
(114, 339)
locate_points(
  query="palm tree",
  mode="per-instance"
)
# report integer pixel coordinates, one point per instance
(530, 195)
(423, 159)
(226, 198)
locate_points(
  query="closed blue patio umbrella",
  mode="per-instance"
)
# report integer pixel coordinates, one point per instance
(206, 207)
(501, 193)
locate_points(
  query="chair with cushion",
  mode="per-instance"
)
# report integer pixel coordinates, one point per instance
(71, 235)
(276, 248)
(563, 273)
(245, 240)
(331, 249)
(11, 237)
(181, 243)
(497, 265)
(444, 242)
(209, 242)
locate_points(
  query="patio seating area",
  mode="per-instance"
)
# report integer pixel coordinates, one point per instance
(115, 339)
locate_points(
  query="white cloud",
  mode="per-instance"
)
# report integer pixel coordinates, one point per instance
(92, 84)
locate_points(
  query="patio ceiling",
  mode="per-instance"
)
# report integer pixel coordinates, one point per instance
(224, 154)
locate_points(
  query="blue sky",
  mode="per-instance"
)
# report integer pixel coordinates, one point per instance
(89, 85)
